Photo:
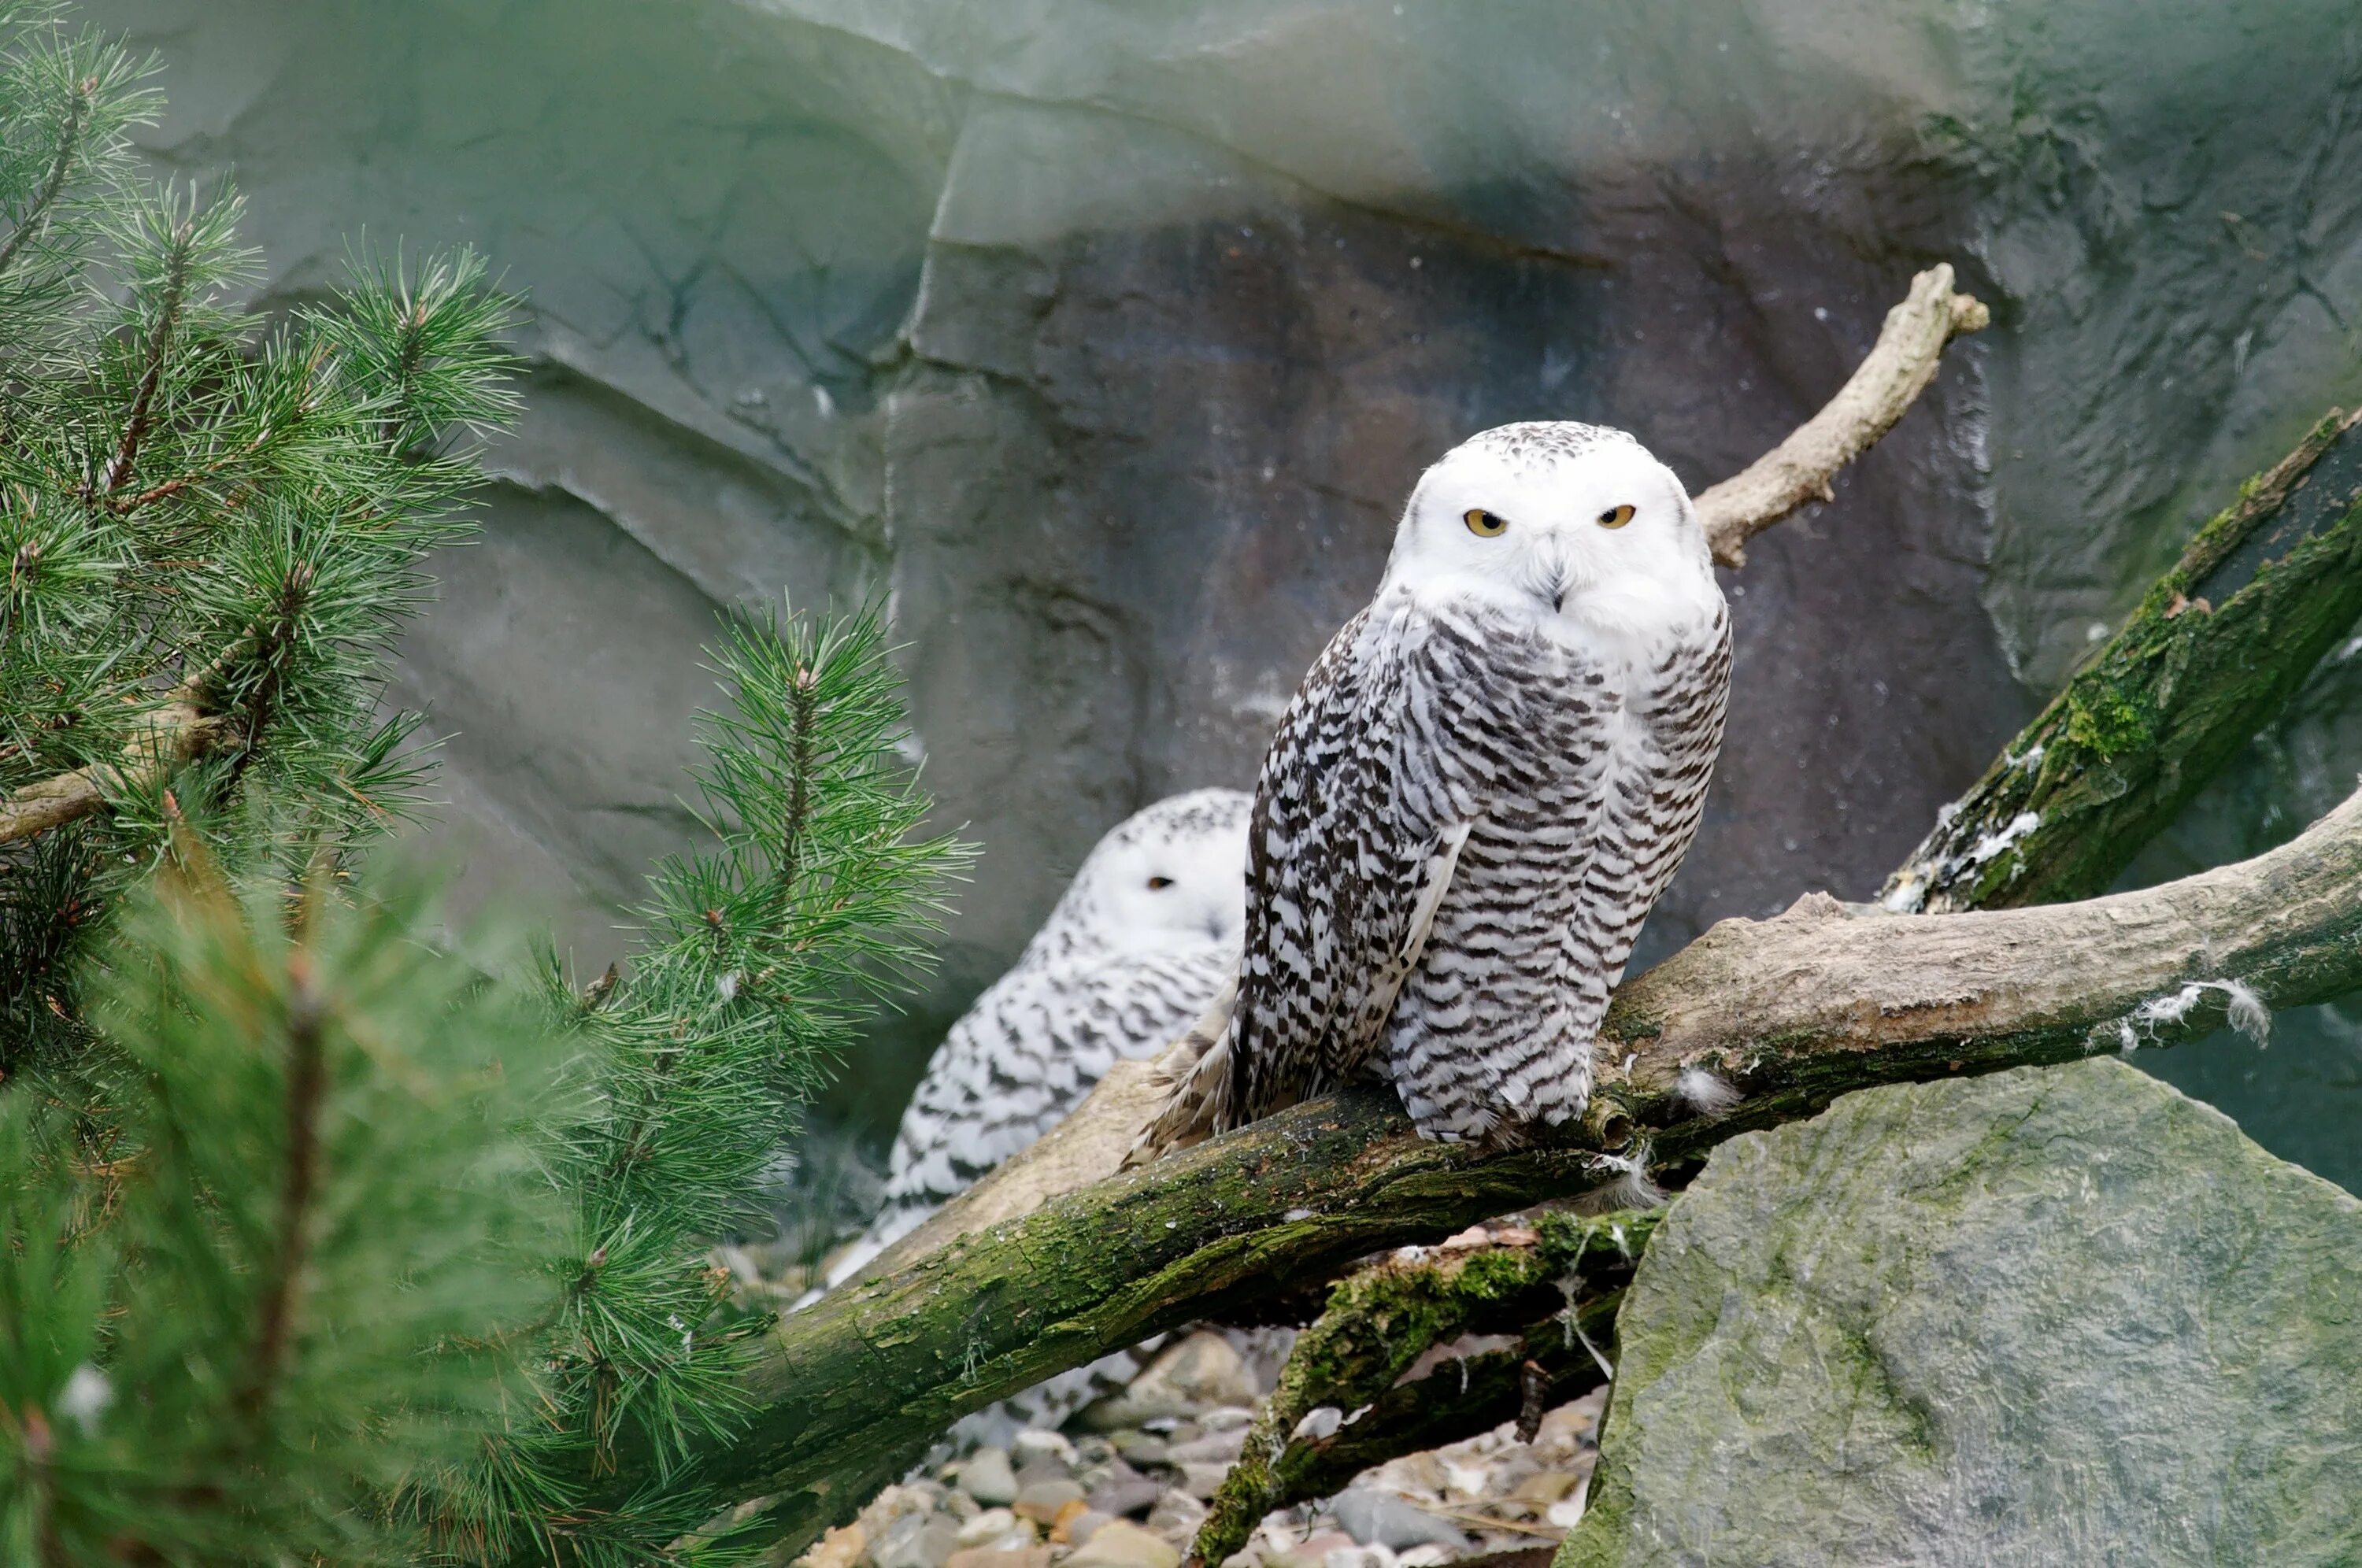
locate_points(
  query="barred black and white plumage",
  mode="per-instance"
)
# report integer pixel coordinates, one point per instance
(1143, 939)
(1483, 786)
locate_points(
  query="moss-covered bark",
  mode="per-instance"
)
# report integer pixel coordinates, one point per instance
(2215, 649)
(1554, 1288)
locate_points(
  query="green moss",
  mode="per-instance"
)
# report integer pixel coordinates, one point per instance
(2105, 719)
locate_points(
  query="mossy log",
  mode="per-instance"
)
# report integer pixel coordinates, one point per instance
(1791, 1011)
(1342, 1403)
(2212, 654)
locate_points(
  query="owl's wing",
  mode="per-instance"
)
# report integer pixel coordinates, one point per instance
(1359, 822)
(1025, 1054)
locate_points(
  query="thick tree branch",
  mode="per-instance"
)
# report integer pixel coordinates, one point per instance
(1799, 469)
(1793, 1012)
(2215, 651)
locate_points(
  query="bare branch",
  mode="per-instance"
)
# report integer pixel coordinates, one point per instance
(1898, 368)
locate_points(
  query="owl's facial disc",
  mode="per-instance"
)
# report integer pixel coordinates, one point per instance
(1171, 877)
(1560, 521)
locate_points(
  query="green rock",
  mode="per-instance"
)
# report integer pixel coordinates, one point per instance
(2054, 1316)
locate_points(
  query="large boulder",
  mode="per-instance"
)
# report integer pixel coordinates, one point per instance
(2057, 1316)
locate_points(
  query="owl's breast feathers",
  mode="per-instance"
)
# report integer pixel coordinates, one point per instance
(1463, 822)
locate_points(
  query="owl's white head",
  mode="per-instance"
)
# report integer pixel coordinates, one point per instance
(1557, 520)
(1170, 877)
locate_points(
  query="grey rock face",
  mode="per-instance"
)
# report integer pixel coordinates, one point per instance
(2057, 1316)
(1108, 339)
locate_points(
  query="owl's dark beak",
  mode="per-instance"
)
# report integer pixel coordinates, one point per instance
(1562, 583)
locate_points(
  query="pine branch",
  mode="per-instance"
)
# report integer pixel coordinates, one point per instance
(306, 1082)
(175, 732)
(160, 341)
(70, 127)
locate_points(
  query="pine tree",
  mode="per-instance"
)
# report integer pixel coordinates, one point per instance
(318, 1243)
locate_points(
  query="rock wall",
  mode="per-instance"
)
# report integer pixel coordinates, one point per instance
(1106, 338)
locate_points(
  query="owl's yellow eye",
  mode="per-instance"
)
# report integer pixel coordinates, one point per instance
(1483, 523)
(1616, 517)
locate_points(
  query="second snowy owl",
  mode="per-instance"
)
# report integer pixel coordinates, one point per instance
(1480, 789)
(1143, 939)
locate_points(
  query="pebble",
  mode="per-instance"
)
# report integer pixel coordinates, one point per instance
(987, 1476)
(1357, 1557)
(916, 1540)
(840, 1548)
(1202, 1370)
(1041, 1500)
(1000, 1557)
(1029, 1448)
(1079, 1526)
(1042, 1470)
(1201, 1481)
(1177, 1516)
(1315, 1551)
(1375, 1518)
(1121, 1494)
(1544, 1487)
(990, 1527)
(1140, 1448)
(1214, 1448)
(1121, 1545)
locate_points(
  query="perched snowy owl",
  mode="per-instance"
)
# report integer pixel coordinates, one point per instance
(1141, 942)
(1479, 791)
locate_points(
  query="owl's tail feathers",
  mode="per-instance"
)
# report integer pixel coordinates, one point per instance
(1194, 1073)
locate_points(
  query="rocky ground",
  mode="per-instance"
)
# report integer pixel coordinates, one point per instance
(1124, 1487)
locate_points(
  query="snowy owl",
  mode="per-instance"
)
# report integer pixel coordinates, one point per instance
(1144, 938)
(1485, 781)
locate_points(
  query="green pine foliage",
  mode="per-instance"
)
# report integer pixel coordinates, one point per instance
(761, 959)
(316, 1243)
(278, 1278)
(211, 528)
